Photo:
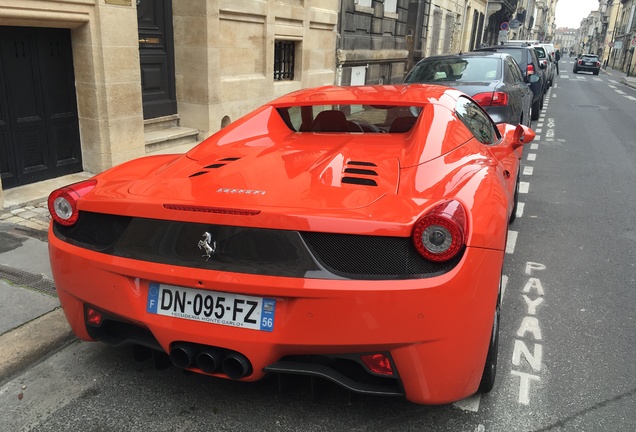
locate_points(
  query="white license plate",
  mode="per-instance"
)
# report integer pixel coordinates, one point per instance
(215, 307)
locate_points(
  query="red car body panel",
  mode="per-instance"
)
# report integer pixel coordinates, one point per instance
(436, 329)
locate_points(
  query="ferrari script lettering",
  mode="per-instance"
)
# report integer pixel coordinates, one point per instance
(240, 191)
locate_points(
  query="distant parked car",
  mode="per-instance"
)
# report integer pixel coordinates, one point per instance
(493, 80)
(528, 61)
(546, 59)
(587, 63)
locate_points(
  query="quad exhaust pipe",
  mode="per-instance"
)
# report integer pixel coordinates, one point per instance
(210, 360)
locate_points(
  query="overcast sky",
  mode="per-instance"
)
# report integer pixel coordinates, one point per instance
(569, 13)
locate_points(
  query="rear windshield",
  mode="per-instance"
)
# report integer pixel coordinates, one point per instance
(459, 69)
(517, 54)
(540, 52)
(350, 118)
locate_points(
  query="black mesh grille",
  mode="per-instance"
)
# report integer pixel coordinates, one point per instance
(252, 250)
(94, 231)
(359, 181)
(360, 171)
(371, 257)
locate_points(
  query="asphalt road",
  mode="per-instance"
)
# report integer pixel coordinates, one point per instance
(567, 332)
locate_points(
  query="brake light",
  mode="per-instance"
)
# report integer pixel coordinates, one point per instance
(378, 363)
(598, 64)
(491, 99)
(93, 316)
(580, 61)
(62, 202)
(441, 234)
(530, 70)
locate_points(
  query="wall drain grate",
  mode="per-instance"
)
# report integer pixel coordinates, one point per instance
(22, 278)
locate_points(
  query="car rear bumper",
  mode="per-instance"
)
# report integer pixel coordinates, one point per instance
(586, 68)
(435, 330)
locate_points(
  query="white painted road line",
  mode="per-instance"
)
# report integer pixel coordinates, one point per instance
(528, 170)
(620, 92)
(512, 242)
(471, 403)
(520, 208)
(532, 156)
(524, 187)
(631, 98)
(504, 285)
(534, 146)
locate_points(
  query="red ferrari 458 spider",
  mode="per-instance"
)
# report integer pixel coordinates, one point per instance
(355, 234)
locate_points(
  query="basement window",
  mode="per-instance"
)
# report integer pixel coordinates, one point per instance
(284, 60)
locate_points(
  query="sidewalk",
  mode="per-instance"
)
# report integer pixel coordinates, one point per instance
(32, 324)
(621, 76)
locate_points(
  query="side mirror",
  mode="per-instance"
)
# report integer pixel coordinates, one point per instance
(521, 135)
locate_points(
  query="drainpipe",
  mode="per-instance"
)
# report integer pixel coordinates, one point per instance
(461, 39)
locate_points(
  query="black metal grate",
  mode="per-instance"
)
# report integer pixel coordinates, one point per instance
(22, 278)
(284, 59)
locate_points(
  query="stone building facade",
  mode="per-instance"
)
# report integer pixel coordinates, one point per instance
(133, 71)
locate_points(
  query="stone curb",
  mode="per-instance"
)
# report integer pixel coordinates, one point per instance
(29, 343)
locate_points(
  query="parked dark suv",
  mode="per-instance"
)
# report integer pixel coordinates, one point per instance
(527, 59)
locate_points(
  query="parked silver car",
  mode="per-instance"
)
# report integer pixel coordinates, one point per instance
(545, 58)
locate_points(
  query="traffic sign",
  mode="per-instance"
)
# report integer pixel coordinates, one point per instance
(504, 26)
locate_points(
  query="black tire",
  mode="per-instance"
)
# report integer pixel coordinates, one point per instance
(536, 110)
(513, 216)
(574, 70)
(490, 368)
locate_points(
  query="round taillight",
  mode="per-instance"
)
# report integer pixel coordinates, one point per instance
(440, 235)
(62, 202)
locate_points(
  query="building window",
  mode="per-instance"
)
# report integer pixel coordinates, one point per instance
(284, 55)
(390, 6)
(363, 3)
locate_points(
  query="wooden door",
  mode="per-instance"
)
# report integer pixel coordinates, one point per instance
(39, 132)
(156, 55)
